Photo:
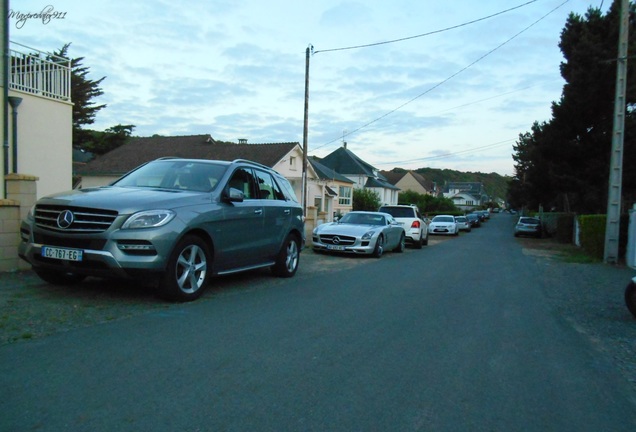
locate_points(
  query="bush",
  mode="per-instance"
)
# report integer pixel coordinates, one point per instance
(592, 235)
(365, 200)
(429, 204)
(558, 225)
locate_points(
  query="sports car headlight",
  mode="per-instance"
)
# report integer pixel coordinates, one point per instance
(149, 219)
(367, 235)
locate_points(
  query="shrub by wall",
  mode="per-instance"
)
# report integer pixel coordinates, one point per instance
(558, 225)
(592, 235)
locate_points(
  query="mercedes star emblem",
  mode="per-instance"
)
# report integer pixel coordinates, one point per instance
(65, 219)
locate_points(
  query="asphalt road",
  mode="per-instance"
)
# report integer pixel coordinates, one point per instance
(458, 336)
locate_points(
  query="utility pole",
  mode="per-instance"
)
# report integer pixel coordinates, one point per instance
(612, 227)
(305, 128)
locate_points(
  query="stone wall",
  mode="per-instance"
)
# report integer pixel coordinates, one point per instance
(21, 196)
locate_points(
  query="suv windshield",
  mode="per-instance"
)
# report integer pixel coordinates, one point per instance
(175, 174)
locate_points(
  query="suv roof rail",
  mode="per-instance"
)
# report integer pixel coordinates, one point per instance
(251, 162)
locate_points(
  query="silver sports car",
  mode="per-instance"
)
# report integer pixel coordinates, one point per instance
(360, 232)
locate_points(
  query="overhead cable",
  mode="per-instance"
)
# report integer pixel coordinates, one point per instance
(424, 34)
(447, 79)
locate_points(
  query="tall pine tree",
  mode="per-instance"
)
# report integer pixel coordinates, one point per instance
(564, 163)
(83, 91)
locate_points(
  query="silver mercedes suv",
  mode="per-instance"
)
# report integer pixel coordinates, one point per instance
(179, 221)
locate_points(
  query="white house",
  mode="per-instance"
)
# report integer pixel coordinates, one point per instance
(39, 119)
(363, 175)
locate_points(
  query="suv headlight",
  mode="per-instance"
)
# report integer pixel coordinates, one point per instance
(149, 219)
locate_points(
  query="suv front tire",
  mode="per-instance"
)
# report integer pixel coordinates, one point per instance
(186, 276)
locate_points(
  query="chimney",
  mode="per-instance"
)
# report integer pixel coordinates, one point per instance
(344, 144)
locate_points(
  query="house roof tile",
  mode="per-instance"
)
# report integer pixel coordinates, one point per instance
(139, 150)
(344, 161)
(326, 173)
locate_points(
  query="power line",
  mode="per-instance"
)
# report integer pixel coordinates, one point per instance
(425, 34)
(447, 79)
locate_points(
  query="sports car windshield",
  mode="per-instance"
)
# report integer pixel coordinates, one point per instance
(176, 175)
(363, 219)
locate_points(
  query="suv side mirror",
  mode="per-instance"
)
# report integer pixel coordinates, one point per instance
(234, 195)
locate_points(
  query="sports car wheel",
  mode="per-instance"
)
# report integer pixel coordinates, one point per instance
(186, 276)
(379, 247)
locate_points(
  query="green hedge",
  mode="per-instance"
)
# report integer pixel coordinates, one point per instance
(592, 235)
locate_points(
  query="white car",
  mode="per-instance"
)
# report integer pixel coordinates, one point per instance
(443, 224)
(463, 224)
(414, 225)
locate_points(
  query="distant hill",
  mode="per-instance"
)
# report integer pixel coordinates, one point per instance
(495, 184)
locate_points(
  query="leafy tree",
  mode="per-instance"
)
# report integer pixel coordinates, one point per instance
(83, 91)
(102, 142)
(564, 164)
(365, 200)
(427, 203)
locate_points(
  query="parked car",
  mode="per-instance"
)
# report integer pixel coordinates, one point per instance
(480, 215)
(463, 224)
(528, 226)
(360, 232)
(415, 227)
(443, 224)
(474, 219)
(178, 221)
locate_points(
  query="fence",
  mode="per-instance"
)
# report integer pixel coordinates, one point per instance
(40, 73)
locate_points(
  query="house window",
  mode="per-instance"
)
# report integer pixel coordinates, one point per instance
(469, 203)
(344, 195)
(292, 162)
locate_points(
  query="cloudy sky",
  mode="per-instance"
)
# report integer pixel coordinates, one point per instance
(454, 85)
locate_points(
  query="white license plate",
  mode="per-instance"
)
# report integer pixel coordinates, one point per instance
(62, 254)
(334, 247)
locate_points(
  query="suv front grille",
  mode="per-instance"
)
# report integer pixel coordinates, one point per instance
(75, 243)
(341, 240)
(84, 220)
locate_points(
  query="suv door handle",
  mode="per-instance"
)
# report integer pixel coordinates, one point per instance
(258, 211)
(286, 211)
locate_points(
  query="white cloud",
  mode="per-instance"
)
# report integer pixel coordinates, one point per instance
(237, 70)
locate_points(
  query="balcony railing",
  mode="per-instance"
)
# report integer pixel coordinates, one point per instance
(39, 73)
